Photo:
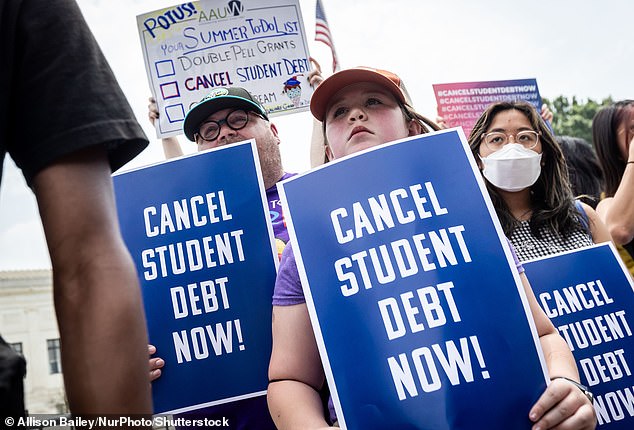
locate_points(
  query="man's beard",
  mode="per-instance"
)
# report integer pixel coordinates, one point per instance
(268, 153)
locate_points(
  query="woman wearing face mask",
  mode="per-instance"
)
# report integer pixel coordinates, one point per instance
(527, 180)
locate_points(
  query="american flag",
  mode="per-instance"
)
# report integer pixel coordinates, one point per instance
(322, 33)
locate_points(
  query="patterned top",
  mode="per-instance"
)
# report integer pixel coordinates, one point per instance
(529, 247)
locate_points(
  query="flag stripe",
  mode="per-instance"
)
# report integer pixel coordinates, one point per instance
(322, 33)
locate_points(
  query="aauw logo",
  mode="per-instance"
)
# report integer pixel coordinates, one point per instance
(233, 8)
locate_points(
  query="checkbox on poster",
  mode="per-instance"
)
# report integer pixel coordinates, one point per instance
(170, 90)
(164, 68)
(175, 113)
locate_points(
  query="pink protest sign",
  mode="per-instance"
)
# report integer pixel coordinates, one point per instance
(460, 104)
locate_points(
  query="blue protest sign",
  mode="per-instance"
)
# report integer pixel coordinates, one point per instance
(204, 252)
(589, 297)
(408, 279)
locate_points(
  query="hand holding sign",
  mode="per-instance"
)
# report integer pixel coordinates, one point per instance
(563, 404)
(155, 364)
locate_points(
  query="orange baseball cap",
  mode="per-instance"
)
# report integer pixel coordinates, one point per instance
(320, 99)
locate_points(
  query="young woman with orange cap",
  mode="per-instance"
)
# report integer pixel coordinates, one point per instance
(363, 108)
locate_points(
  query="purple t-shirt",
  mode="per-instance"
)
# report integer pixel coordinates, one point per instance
(288, 290)
(275, 211)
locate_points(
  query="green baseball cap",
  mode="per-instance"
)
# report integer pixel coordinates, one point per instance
(219, 99)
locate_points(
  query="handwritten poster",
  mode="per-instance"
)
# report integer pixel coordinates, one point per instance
(589, 297)
(412, 291)
(192, 48)
(204, 252)
(460, 104)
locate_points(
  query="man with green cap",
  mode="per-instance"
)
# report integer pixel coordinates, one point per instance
(229, 115)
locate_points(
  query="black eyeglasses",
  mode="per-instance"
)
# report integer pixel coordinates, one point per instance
(235, 120)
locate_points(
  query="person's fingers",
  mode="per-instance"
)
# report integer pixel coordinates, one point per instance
(562, 414)
(555, 393)
(153, 113)
(315, 79)
(563, 406)
(315, 64)
(156, 363)
(583, 418)
(154, 374)
(546, 113)
(440, 122)
(314, 76)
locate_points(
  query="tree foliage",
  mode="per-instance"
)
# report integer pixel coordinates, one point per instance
(573, 117)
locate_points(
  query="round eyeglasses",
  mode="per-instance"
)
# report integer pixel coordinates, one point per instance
(496, 140)
(235, 120)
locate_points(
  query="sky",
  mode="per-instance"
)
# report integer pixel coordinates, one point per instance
(579, 48)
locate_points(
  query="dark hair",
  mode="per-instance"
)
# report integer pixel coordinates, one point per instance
(604, 127)
(425, 123)
(551, 198)
(584, 170)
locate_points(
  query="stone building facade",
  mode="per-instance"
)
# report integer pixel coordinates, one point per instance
(27, 322)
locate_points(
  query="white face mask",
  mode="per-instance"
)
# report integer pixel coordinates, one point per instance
(512, 168)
